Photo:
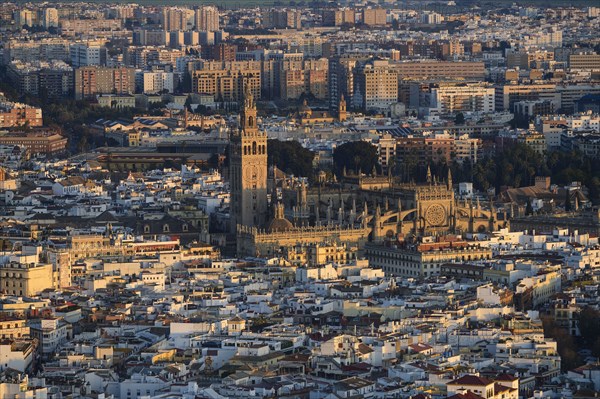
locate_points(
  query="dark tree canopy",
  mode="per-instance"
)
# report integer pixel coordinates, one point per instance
(291, 157)
(567, 347)
(517, 166)
(589, 325)
(568, 207)
(356, 155)
(528, 208)
(459, 119)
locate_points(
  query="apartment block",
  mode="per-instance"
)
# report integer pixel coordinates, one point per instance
(18, 114)
(507, 95)
(283, 19)
(226, 80)
(304, 77)
(441, 69)
(374, 16)
(206, 18)
(90, 81)
(587, 61)
(345, 16)
(172, 18)
(376, 86)
(448, 99)
(86, 54)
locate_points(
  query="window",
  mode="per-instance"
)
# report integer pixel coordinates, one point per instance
(166, 228)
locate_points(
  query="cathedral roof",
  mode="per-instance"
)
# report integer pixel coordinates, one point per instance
(279, 224)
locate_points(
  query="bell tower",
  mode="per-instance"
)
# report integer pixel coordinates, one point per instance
(248, 169)
(342, 115)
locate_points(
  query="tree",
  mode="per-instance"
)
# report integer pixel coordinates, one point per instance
(291, 157)
(566, 347)
(356, 155)
(567, 201)
(596, 348)
(459, 119)
(589, 325)
(528, 208)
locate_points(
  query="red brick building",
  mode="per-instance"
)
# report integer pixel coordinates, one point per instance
(40, 141)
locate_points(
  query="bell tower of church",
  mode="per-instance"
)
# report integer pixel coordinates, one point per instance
(342, 115)
(248, 169)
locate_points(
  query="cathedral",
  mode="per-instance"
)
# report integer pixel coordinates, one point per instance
(357, 209)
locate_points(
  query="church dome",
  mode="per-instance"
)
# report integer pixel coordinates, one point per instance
(279, 222)
(279, 225)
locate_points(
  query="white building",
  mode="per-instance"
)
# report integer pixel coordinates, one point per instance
(431, 18)
(51, 333)
(156, 82)
(463, 98)
(16, 355)
(86, 54)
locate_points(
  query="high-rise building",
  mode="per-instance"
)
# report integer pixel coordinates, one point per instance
(157, 82)
(24, 17)
(431, 18)
(226, 81)
(345, 16)
(248, 170)
(219, 52)
(50, 18)
(173, 18)
(56, 80)
(47, 79)
(374, 16)
(376, 86)
(86, 54)
(304, 77)
(206, 18)
(40, 49)
(283, 19)
(93, 80)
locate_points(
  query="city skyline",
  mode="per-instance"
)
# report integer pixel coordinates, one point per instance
(300, 200)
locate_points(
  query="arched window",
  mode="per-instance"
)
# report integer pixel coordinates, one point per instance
(254, 148)
(166, 228)
(250, 121)
(146, 229)
(245, 150)
(184, 227)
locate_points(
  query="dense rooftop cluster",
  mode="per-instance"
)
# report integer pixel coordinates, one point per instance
(301, 201)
